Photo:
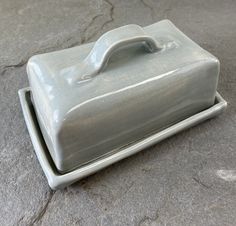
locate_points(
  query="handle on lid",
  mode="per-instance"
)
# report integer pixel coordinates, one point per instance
(106, 45)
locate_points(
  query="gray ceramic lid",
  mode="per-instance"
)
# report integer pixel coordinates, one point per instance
(88, 98)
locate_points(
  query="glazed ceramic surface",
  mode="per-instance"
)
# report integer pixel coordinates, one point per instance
(57, 180)
(93, 100)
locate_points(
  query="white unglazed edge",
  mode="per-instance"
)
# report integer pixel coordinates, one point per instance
(58, 181)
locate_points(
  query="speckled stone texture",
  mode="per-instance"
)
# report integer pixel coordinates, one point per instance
(189, 179)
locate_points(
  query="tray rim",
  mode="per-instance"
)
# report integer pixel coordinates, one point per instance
(59, 181)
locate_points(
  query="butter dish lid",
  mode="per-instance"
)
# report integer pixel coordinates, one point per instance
(63, 79)
(78, 91)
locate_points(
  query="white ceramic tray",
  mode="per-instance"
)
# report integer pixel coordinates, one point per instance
(57, 180)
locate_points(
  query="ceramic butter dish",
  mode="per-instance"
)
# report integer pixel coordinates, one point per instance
(92, 105)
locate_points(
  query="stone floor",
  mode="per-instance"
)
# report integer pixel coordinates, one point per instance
(189, 179)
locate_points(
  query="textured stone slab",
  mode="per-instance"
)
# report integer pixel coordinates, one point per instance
(188, 179)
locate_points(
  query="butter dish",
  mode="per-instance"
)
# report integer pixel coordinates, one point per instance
(95, 104)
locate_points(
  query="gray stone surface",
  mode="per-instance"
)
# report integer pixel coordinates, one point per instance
(189, 179)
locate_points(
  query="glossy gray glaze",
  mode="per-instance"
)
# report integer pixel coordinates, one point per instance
(106, 46)
(58, 181)
(87, 110)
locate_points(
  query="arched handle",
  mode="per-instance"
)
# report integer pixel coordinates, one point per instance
(106, 45)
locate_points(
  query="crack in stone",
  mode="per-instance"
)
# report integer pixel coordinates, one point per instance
(201, 183)
(22, 63)
(4, 69)
(149, 7)
(112, 7)
(38, 217)
(148, 220)
(63, 44)
(18, 65)
(111, 15)
(84, 39)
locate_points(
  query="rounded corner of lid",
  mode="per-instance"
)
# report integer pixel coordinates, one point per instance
(31, 60)
(216, 59)
(166, 21)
